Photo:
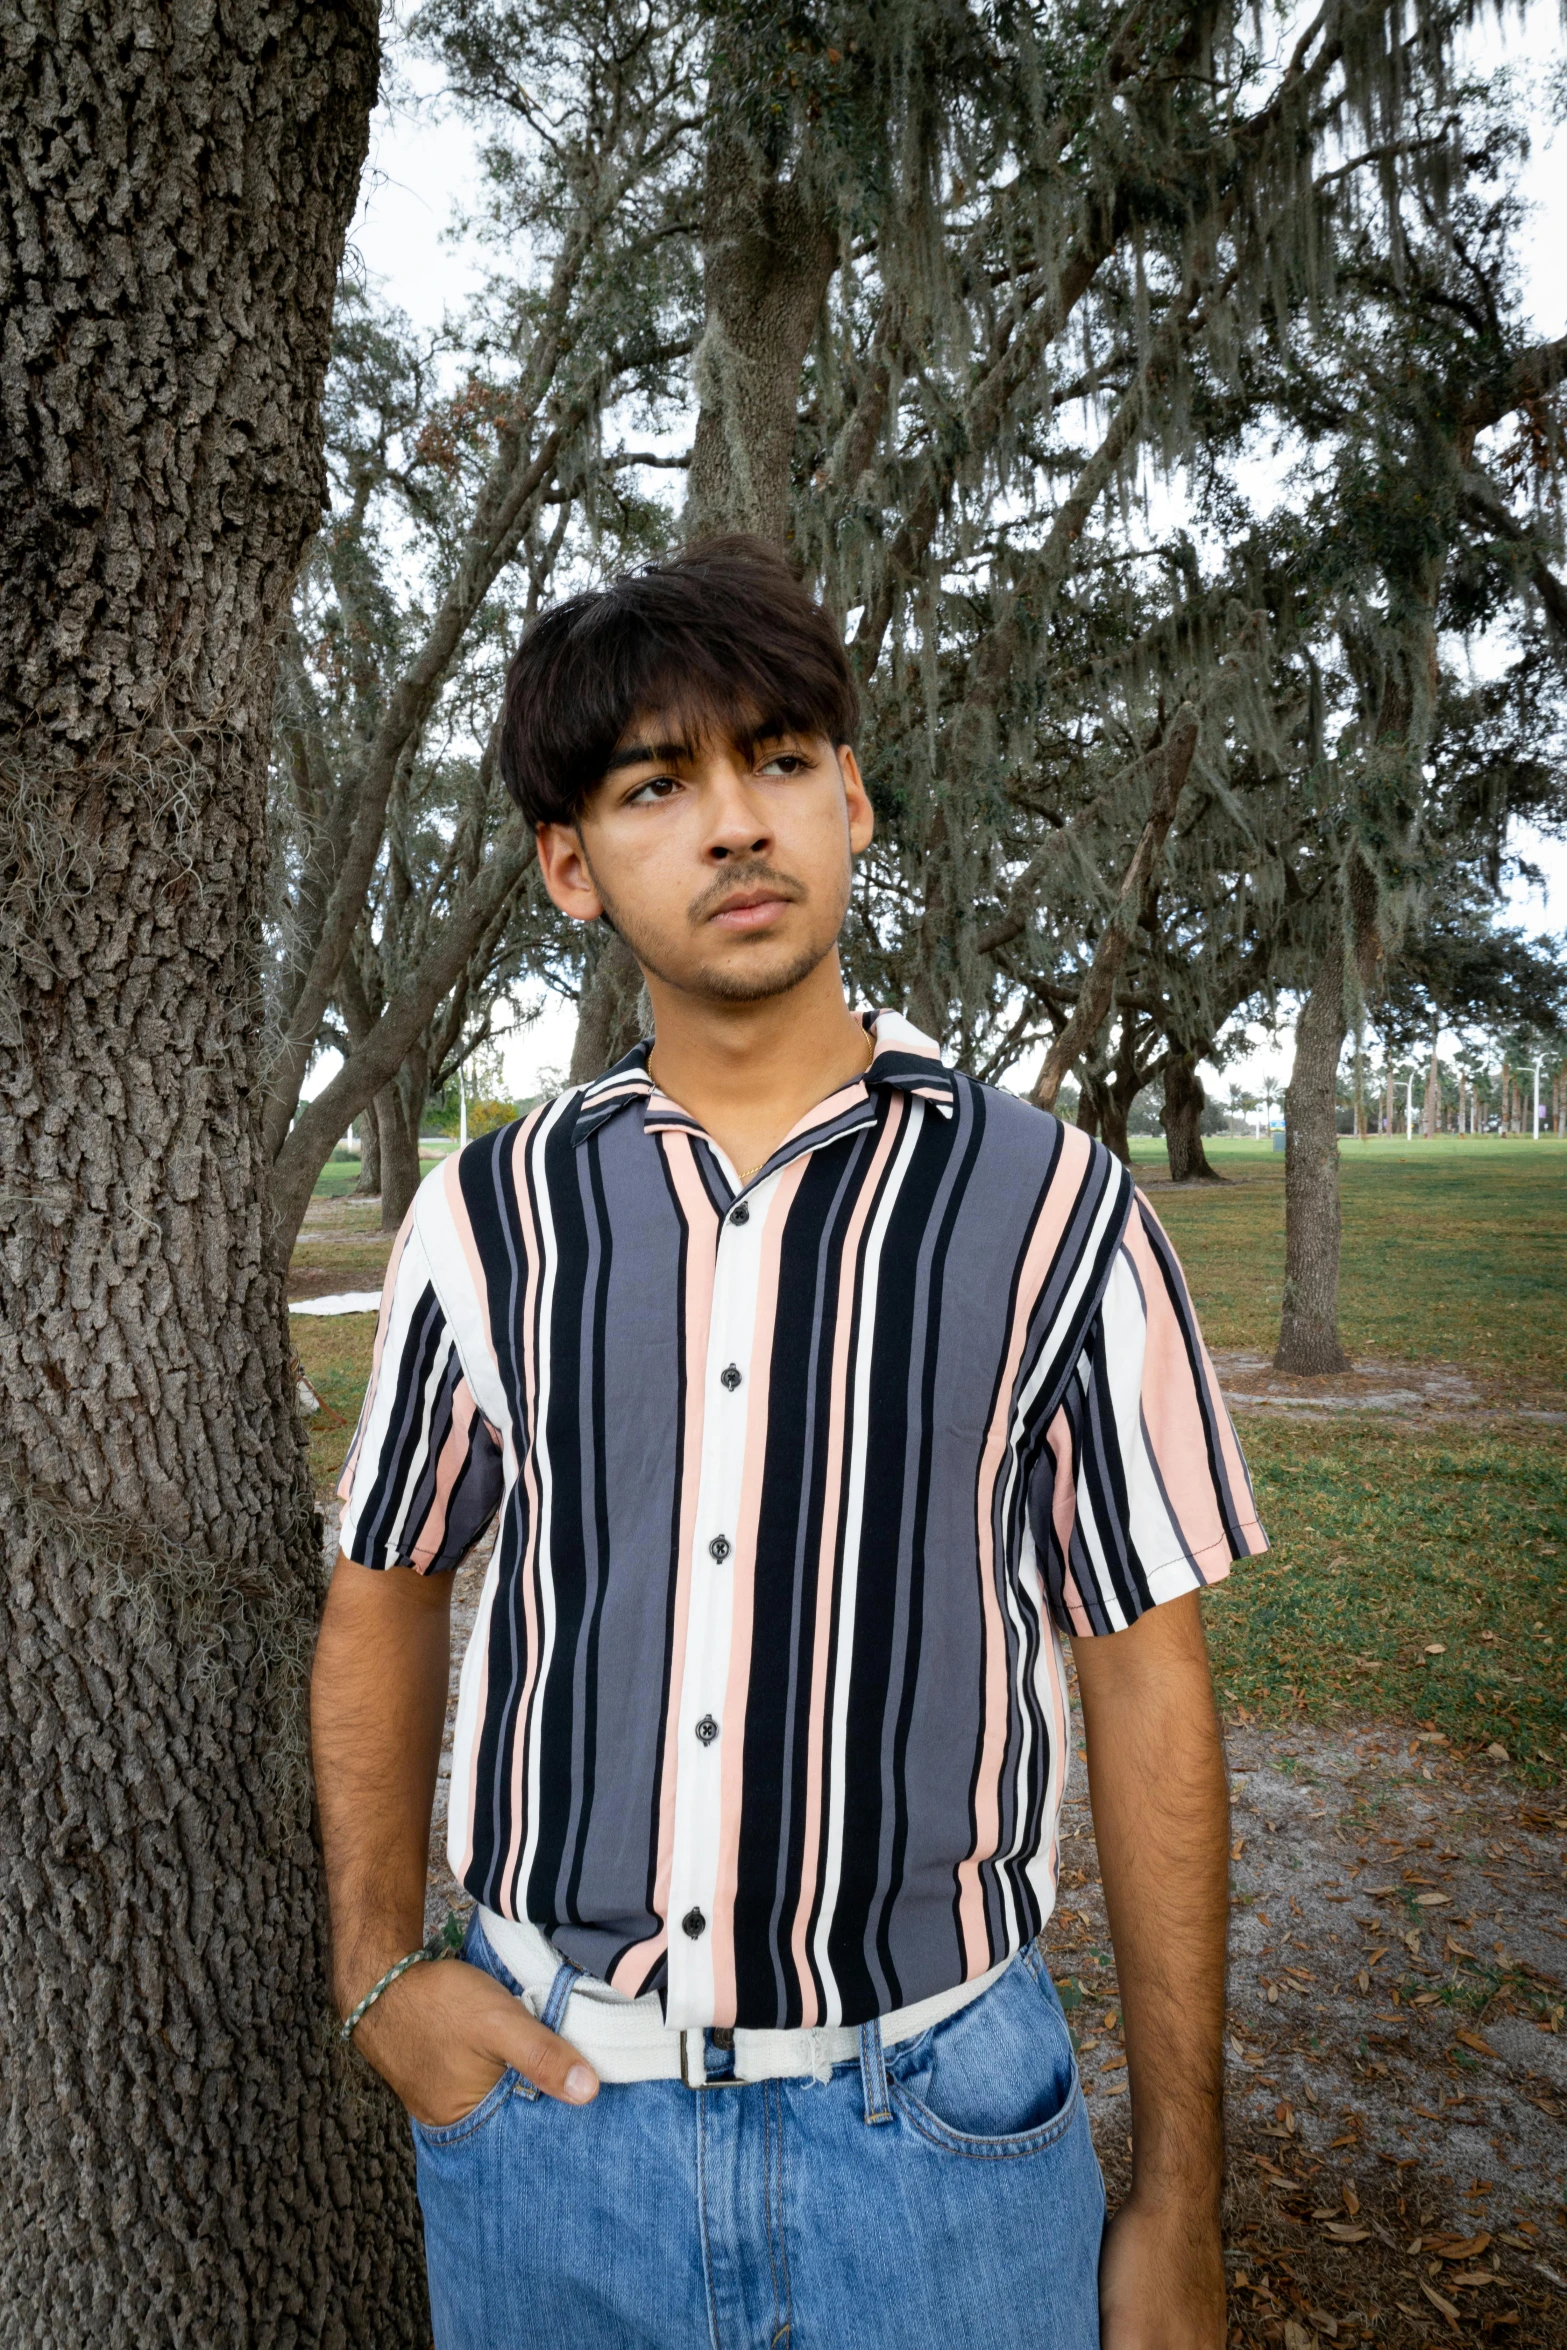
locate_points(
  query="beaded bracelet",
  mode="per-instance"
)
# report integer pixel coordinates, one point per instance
(445, 1942)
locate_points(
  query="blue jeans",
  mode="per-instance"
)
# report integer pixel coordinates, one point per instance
(944, 2196)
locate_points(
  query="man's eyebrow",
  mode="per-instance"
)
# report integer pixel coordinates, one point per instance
(647, 755)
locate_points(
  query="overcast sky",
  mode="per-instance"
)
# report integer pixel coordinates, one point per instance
(421, 172)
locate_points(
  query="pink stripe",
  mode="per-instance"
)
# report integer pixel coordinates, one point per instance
(453, 1454)
(731, 1789)
(1044, 1242)
(631, 1968)
(1063, 1516)
(1172, 1412)
(832, 1503)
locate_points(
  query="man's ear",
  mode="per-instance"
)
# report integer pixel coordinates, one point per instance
(564, 866)
(862, 816)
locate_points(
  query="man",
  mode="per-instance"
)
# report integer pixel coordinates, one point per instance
(817, 1389)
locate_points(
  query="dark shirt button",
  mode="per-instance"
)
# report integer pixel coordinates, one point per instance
(707, 1729)
(718, 1548)
(730, 1378)
(740, 1215)
(694, 1924)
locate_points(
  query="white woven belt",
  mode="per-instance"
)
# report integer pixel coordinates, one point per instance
(628, 2040)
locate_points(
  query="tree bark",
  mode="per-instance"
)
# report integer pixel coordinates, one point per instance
(768, 254)
(1308, 1333)
(1433, 1100)
(399, 1157)
(190, 2159)
(1184, 1103)
(1094, 997)
(369, 1184)
(611, 1016)
(375, 1061)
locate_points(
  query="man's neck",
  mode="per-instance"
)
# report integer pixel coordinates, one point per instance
(749, 1072)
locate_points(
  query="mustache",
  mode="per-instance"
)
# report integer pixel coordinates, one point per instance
(739, 882)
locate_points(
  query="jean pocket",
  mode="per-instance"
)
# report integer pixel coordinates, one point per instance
(469, 2124)
(996, 2080)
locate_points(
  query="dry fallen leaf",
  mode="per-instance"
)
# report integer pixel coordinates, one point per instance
(1432, 1900)
(1474, 2041)
(1342, 2233)
(1351, 2199)
(1237, 1848)
(1296, 2336)
(1463, 2248)
(1437, 2302)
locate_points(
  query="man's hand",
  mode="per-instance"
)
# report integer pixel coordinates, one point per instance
(444, 2034)
(1161, 1818)
(1161, 2280)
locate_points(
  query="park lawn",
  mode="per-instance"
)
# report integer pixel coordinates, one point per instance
(1387, 1542)
(1455, 1250)
(334, 1353)
(341, 1172)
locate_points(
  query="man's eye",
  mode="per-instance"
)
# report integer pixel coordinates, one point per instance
(658, 787)
(785, 763)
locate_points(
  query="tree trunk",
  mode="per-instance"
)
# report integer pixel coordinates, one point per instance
(399, 1156)
(191, 2159)
(768, 255)
(1101, 1112)
(1184, 1103)
(1112, 1126)
(369, 1184)
(612, 1012)
(1308, 1333)
(1092, 1008)
(1433, 1100)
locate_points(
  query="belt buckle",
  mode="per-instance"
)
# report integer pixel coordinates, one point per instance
(703, 2080)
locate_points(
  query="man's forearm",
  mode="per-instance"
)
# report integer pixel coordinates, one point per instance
(1161, 1820)
(377, 1709)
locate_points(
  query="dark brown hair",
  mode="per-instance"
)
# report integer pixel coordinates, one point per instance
(721, 639)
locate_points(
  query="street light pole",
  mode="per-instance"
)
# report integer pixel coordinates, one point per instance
(1409, 1110)
(1534, 1131)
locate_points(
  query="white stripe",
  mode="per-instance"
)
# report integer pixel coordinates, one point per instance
(704, 1682)
(413, 1278)
(856, 1440)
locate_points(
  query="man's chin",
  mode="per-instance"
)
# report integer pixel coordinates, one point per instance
(755, 978)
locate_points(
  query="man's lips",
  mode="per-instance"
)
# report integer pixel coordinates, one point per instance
(749, 911)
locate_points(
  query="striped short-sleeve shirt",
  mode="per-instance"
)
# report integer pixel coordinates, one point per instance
(798, 1482)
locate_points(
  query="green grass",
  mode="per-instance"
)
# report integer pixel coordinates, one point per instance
(1387, 1543)
(334, 1353)
(341, 1172)
(1453, 1251)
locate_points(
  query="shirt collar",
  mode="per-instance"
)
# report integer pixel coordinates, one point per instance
(905, 1061)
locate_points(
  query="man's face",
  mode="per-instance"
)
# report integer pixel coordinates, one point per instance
(726, 869)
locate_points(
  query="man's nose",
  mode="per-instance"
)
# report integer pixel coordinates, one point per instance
(739, 828)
